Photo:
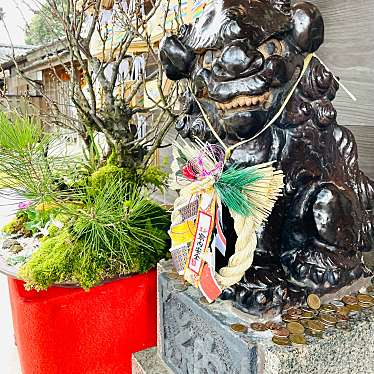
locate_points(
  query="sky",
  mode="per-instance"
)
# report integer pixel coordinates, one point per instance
(17, 13)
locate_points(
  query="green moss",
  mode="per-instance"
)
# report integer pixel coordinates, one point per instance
(52, 263)
(17, 226)
(111, 172)
(65, 257)
(154, 176)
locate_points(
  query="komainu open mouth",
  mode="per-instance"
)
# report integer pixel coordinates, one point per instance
(244, 102)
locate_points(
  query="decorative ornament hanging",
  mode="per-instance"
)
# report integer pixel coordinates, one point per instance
(205, 185)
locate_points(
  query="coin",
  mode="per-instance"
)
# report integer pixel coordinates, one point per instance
(337, 303)
(256, 326)
(354, 309)
(294, 311)
(172, 275)
(289, 318)
(365, 305)
(327, 308)
(295, 328)
(316, 326)
(327, 319)
(280, 341)
(343, 326)
(343, 310)
(304, 322)
(349, 300)
(238, 327)
(273, 325)
(364, 298)
(314, 301)
(180, 287)
(281, 332)
(341, 317)
(308, 315)
(297, 339)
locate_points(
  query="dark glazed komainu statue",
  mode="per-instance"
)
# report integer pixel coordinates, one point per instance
(242, 58)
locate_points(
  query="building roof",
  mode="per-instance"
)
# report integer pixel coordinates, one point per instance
(6, 51)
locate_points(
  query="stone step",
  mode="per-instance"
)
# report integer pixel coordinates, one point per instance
(149, 362)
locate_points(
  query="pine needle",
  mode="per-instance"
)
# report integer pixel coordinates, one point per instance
(250, 191)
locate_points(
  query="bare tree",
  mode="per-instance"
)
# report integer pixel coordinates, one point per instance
(104, 83)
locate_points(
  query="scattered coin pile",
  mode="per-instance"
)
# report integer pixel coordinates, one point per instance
(314, 318)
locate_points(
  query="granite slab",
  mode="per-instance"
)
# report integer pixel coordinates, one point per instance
(195, 337)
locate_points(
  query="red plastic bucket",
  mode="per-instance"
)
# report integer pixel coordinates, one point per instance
(70, 331)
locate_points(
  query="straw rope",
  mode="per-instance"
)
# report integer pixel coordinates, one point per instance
(245, 248)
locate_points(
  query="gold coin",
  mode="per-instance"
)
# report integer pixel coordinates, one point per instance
(238, 327)
(280, 341)
(328, 319)
(341, 317)
(295, 328)
(327, 308)
(258, 326)
(297, 339)
(343, 310)
(354, 308)
(365, 305)
(173, 275)
(314, 301)
(363, 298)
(308, 315)
(316, 326)
(304, 322)
(349, 300)
(180, 287)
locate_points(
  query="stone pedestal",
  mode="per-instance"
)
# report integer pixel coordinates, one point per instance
(195, 337)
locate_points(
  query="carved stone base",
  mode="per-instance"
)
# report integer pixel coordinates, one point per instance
(195, 338)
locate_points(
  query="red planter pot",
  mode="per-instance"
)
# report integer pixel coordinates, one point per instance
(70, 331)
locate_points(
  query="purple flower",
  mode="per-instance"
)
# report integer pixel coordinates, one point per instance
(24, 204)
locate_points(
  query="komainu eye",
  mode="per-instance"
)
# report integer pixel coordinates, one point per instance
(271, 47)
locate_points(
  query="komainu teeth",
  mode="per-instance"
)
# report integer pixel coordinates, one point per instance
(235, 103)
(244, 101)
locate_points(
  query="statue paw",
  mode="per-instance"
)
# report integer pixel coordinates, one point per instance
(320, 270)
(261, 291)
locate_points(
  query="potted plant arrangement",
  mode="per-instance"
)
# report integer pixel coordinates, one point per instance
(83, 243)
